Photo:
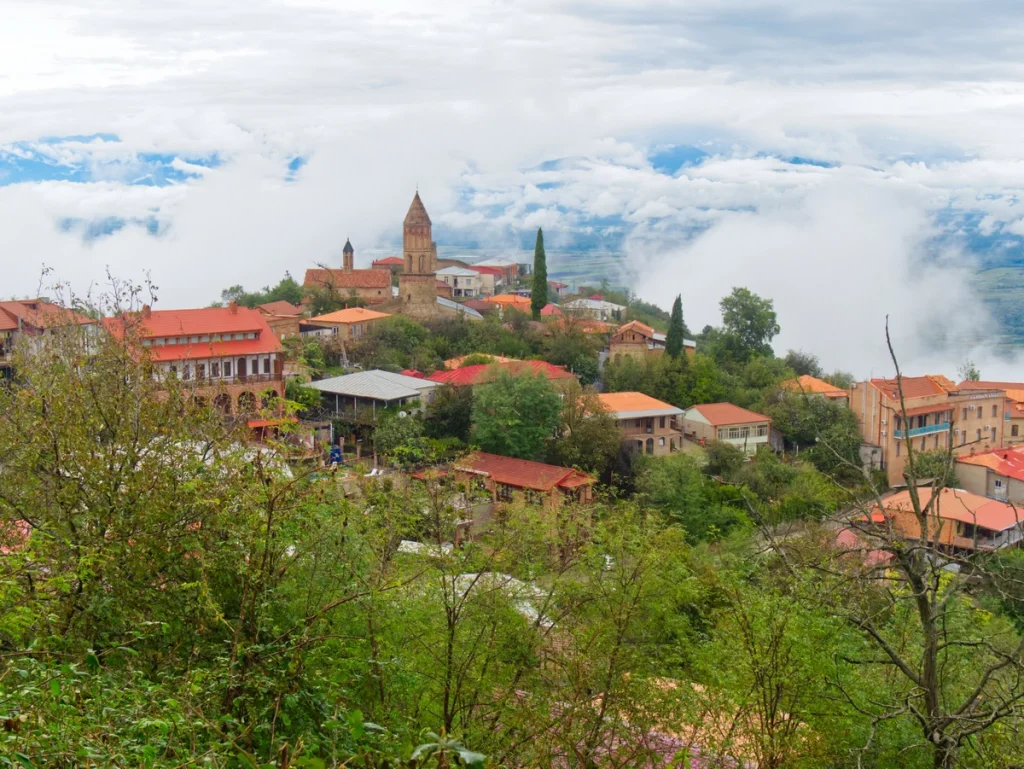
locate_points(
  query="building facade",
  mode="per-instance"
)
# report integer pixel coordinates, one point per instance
(371, 286)
(228, 356)
(349, 325)
(505, 478)
(29, 321)
(638, 340)
(647, 425)
(463, 282)
(936, 412)
(282, 317)
(725, 422)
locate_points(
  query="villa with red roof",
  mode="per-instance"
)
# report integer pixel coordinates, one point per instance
(31, 320)
(647, 425)
(505, 477)
(956, 519)
(228, 355)
(725, 422)
(487, 372)
(998, 473)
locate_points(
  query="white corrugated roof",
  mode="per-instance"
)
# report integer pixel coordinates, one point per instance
(459, 272)
(376, 384)
(452, 305)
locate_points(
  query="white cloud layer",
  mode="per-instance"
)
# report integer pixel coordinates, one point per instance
(917, 106)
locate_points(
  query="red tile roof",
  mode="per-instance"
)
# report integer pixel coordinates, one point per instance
(556, 285)
(389, 261)
(967, 384)
(596, 297)
(39, 314)
(522, 473)
(728, 414)
(915, 386)
(485, 372)
(1005, 462)
(550, 310)
(634, 325)
(959, 505)
(413, 373)
(280, 307)
(209, 321)
(330, 278)
(496, 271)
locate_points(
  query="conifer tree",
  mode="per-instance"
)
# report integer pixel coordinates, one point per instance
(676, 329)
(539, 295)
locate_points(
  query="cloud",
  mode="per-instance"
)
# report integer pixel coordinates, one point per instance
(805, 145)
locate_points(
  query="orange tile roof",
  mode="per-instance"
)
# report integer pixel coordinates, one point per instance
(522, 473)
(635, 325)
(280, 307)
(330, 278)
(509, 300)
(915, 386)
(389, 261)
(812, 385)
(485, 372)
(728, 414)
(624, 403)
(959, 505)
(968, 384)
(350, 315)
(39, 314)
(550, 310)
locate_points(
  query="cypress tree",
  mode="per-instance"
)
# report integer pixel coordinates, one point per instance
(676, 329)
(539, 295)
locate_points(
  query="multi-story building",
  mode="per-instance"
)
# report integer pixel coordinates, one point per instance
(725, 422)
(998, 473)
(464, 282)
(282, 317)
(1013, 417)
(648, 426)
(504, 478)
(29, 321)
(228, 355)
(933, 410)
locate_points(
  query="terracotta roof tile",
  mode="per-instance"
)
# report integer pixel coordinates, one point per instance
(485, 372)
(812, 385)
(39, 314)
(280, 307)
(728, 414)
(330, 278)
(509, 300)
(1007, 462)
(627, 402)
(522, 473)
(959, 505)
(350, 315)
(389, 261)
(915, 386)
(550, 310)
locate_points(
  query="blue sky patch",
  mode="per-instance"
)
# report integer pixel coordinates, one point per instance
(669, 160)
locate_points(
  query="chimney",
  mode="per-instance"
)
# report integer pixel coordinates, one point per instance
(233, 306)
(146, 311)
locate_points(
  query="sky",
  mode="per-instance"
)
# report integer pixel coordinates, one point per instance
(850, 160)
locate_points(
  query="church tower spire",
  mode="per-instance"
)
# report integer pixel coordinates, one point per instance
(348, 256)
(417, 243)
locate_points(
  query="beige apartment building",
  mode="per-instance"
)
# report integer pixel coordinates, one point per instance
(935, 408)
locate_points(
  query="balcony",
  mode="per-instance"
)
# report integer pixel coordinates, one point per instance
(916, 432)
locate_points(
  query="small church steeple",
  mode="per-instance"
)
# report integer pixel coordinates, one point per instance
(348, 256)
(417, 242)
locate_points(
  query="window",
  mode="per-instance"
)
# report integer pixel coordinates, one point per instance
(160, 342)
(999, 484)
(174, 370)
(995, 411)
(215, 369)
(922, 443)
(744, 432)
(239, 337)
(227, 368)
(1014, 430)
(187, 372)
(979, 433)
(661, 424)
(661, 441)
(504, 492)
(194, 340)
(650, 445)
(251, 335)
(734, 433)
(762, 430)
(898, 444)
(965, 412)
(146, 343)
(204, 338)
(936, 440)
(200, 371)
(721, 433)
(963, 437)
(266, 365)
(216, 337)
(638, 424)
(172, 340)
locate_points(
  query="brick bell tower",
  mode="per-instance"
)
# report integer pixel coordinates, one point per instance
(348, 256)
(417, 285)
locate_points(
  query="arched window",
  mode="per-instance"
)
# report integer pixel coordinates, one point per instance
(650, 445)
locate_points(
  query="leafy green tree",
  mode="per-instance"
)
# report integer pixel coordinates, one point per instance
(676, 329)
(539, 294)
(968, 371)
(450, 413)
(287, 289)
(723, 459)
(803, 363)
(707, 383)
(394, 432)
(749, 323)
(588, 437)
(307, 398)
(516, 416)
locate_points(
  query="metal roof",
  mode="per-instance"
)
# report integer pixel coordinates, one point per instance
(460, 272)
(451, 305)
(378, 385)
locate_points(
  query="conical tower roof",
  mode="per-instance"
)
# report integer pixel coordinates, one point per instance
(417, 213)
(348, 247)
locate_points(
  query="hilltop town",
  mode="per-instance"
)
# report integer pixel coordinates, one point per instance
(550, 527)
